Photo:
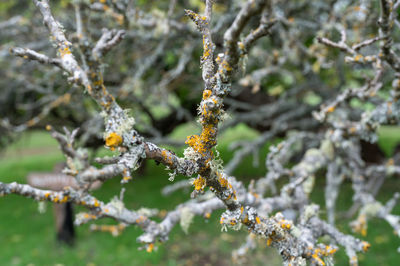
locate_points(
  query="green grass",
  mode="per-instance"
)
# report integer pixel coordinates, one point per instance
(29, 237)
(389, 138)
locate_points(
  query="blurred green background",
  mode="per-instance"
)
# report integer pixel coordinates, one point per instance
(28, 237)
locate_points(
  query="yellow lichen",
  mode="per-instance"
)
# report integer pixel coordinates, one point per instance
(358, 57)
(246, 220)
(206, 94)
(113, 140)
(330, 109)
(285, 224)
(167, 157)
(127, 178)
(318, 259)
(225, 67)
(140, 219)
(98, 83)
(64, 51)
(330, 250)
(223, 181)
(361, 225)
(150, 247)
(199, 183)
(365, 246)
(64, 199)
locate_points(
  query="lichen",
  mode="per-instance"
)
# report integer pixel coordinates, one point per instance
(113, 140)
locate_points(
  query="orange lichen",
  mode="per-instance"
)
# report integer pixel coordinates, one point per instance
(140, 219)
(200, 143)
(127, 178)
(64, 51)
(361, 225)
(258, 221)
(193, 141)
(206, 94)
(330, 250)
(207, 50)
(208, 134)
(113, 140)
(98, 83)
(318, 259)
(358, 57)
(225, 67)
(330, 109)
(269, 241)
(150, 247)
(285, 224)
(223, 181)
(199, 183)
(365, 246)
(64, 199)
(167, 157)
(246, 220)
